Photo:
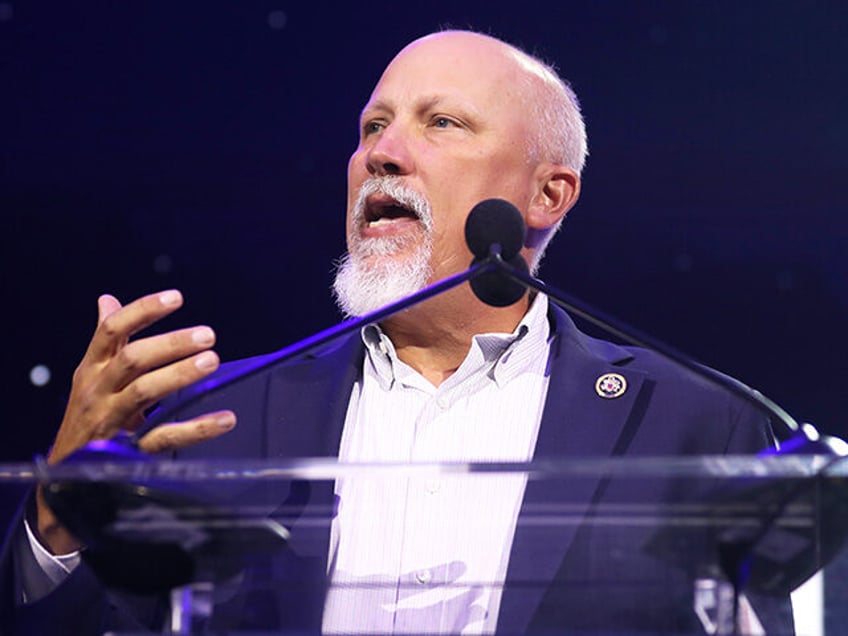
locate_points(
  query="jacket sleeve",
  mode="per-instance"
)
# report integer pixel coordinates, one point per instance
(78, 606)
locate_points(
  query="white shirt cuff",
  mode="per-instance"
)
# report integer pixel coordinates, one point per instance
(57, 567)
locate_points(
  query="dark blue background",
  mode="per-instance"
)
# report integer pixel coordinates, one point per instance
(203, 145)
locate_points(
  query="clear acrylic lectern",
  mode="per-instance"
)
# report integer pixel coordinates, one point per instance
(593, 546)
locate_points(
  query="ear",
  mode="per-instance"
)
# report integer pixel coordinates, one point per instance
(557, 192)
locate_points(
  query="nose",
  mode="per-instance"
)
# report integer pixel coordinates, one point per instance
(389, 154)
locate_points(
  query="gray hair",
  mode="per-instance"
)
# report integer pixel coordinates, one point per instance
(560, 132)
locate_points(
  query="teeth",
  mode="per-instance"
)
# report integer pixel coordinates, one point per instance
(381, 221)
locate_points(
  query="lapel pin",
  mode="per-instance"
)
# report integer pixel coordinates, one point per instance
(611, 385)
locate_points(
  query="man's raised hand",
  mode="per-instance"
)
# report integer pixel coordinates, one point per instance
(118, 378)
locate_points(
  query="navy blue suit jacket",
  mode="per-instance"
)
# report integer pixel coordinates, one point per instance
(583, 577)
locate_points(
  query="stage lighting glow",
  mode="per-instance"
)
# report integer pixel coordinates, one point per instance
(39, 375)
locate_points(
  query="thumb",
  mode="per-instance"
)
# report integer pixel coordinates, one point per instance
(106, 306)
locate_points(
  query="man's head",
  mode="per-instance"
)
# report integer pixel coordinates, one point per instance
(457, 117)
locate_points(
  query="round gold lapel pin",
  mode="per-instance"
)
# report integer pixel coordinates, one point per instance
(611, 385)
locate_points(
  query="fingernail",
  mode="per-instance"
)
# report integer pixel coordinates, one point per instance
(170, 298)
(203, 336)
(225, 421)
(206, 360)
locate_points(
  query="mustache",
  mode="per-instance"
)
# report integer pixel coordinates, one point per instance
(404, 195)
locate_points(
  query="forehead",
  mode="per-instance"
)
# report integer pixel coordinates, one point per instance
(472, 69)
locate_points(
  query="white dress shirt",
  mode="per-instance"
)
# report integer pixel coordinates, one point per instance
(429, 554)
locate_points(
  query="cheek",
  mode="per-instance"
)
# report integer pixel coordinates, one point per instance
(450, 251)
(357, 169)
(357, 173)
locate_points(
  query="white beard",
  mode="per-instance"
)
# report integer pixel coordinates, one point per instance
(373, 274)
(361, 288)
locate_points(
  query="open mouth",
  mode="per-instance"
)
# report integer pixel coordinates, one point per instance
(380, 210)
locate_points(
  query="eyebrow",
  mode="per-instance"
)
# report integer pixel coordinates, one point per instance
(422, 104)
(378, 105)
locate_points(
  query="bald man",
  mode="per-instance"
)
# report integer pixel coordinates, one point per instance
(457, 117)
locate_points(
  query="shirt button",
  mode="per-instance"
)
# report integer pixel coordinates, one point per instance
(442, 403)
(423, 576)
(432, 487)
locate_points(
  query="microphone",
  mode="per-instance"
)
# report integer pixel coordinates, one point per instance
(494, 230)
(491, 222)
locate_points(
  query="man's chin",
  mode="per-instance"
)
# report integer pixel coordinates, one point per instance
(364, 285)
(376, 264)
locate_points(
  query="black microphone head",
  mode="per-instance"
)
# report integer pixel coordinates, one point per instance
(495, 288)
(494, 221)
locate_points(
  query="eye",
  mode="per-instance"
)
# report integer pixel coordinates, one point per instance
(372, 127)
(441, 121)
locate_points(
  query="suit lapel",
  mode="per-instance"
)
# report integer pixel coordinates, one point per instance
(576, 423)
(307, 402)
(306, 408)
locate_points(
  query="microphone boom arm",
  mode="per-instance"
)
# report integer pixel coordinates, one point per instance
(635, 337)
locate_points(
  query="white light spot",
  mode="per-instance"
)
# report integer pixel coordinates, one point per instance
(811, 432)
(39, 375)
(277, 20)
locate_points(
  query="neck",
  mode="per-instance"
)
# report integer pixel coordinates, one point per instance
(435, 336)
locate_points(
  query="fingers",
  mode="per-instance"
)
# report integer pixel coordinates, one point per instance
(168, 437)
(116, 324)
(118, 379)
(106, 306)
(150, 387)
(150, 353)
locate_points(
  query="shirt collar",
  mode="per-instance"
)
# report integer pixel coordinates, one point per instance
(500, 356)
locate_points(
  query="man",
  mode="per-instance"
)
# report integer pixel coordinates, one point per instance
(456, 118)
